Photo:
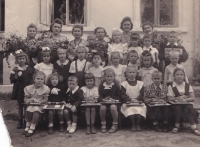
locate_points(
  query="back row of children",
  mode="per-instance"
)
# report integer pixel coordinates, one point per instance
(105, 67)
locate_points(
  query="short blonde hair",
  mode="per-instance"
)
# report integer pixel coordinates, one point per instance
(117, 31)
(173, 53)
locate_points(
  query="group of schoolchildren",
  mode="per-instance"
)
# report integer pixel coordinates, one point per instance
(123, 72)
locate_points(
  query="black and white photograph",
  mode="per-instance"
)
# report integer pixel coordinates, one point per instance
(99, 73)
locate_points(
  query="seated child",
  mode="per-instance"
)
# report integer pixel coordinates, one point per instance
(109, 90)
(168, 76)
(145, 73)
(172, 43)
(157, 92)
(147, 40)
(90, 93)
(62, 65)
(97, 69)
(118, 68)
(80, 66)
(182, 91)
(35, 93)
(57, 94)
(45, 66)
(133, 59)
(131, 90)
(74, 96)
(117, 46)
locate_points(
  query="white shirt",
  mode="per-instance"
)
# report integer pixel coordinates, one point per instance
(90, 93)
(97, 72)
(154, 53)
(80, 66)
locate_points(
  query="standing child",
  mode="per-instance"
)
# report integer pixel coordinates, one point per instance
(35, 93)
(118, 68)
(172, 43)
(131, 92)
(77, 32)
(109, 89)
(133, 59)
(147, 40)
(90, 93)
(97, 69)
(57, 94)
(75, 98)
(45, 66)
(181, 91)
(157, 92)
(145, 73)
(173, 57)
(117, 46)
(21, 76)
(80, 66)
(62, 65)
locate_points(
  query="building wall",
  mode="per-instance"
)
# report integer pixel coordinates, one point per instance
(105, 13)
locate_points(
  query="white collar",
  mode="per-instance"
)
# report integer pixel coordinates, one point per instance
(108, 86)
(176, 44)
(148, 68)
(158, 86)
(19, 68)
(64, 63)
(177, 65)
(174, 84)
(73, 91)
(146, 48)
(81, 61)
(131, 64)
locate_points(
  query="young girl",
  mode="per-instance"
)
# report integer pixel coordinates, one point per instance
(131, 92)
(35, 93)
(97, 69)
(135, 45)
(45, 66)
(145, 73)
(117, 67)
(77, 32)
(90, 93)
(57, 94)
(109, 90)
(117, 46)
(62, 65)
(181, 91)
(21, 76)
(80, 66)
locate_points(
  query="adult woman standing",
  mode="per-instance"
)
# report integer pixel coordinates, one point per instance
(126, 26)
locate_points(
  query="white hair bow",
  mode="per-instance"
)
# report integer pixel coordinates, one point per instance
(45, 49)
(18, 51)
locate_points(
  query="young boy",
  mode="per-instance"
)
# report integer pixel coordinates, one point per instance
(147, 40)
(91, 46)
(174, 58)
(156, 92)
(74, 96)
(80, 66)
(173, 44)
(133, 59)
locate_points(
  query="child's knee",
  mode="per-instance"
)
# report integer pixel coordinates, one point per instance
(66, 112)
(93, 109)
(103, 108)
(60, 112)
(50, 112)
(113, 107)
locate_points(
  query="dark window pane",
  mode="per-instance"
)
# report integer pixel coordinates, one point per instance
(60, 10)
(166, 12)
(147, 11)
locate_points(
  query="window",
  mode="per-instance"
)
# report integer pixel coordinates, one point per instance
(159, 12)
(69, 11)
(2, 15)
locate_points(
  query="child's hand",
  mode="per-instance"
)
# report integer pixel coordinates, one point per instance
(73, 109)
(55, 91)
(37, 101)
(184, 97)
(19, 73)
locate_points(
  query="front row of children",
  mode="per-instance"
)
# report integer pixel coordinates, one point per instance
(130, 90)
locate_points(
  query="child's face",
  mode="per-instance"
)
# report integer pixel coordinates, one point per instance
(21, 60)
(81, 54)
(126, 26)
(135, 42)
(77, 32)
(115, 59)
(172, 38)
(131, 74)
(91, 40)
(47, 42)
(174, 59)
(31, 32)
(96, 60)
(148, 29)
(100, 34)
(72, 84)
(89, 83)
(147, 61)
(56, 28)
(109, 77)
(179, 77)
(157, 79)
(54, 80)
(133, 57)
(116, 37)
(62, 54)
(147, 42)
(46, 57)
(39, 80)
